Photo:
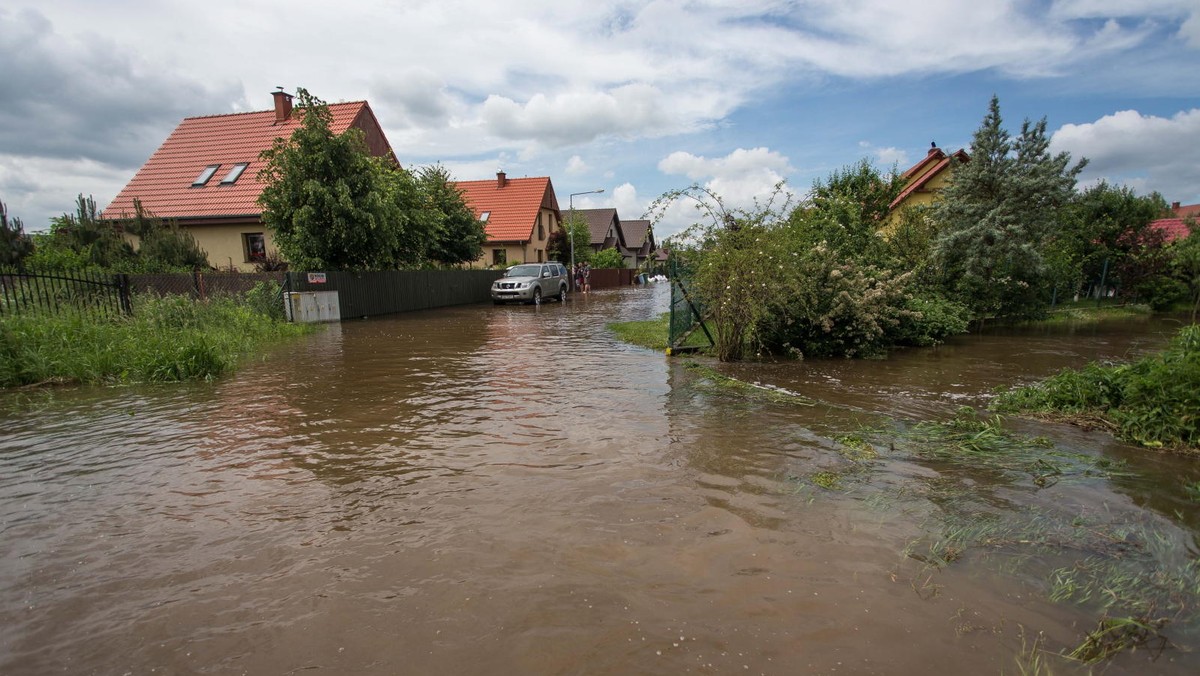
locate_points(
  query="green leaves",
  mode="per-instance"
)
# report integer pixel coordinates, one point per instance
(997, 213)
(333, 206)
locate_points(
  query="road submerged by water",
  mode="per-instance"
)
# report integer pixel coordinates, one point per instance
(490, 490)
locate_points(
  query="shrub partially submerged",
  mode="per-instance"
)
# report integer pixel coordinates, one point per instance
(1154, 401)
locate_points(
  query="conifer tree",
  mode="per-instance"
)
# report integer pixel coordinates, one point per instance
(997, 211)
(15, 245)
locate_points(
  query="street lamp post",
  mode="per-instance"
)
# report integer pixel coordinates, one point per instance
(571, 225)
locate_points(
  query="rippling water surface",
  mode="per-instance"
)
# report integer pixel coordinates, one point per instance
(486, 490)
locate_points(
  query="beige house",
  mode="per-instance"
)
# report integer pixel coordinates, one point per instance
(518, 215)
(205, 177)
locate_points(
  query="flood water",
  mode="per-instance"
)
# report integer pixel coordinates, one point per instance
(510, 490)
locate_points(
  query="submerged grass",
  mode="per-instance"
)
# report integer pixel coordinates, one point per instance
(1087, 311)
(1134, 577)
(721, 383)
(1154, 401)
(167, 339)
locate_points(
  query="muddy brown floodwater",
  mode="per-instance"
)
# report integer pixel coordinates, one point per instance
(510, 490)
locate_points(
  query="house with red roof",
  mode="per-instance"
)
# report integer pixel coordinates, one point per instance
(518, 216)
(925, 180)
(1176, 227)
(204, 176)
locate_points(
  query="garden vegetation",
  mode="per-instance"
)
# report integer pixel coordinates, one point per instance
(839, 274)
(167, 339)
(1154, 401)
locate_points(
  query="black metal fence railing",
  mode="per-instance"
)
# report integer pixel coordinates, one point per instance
(75, 292)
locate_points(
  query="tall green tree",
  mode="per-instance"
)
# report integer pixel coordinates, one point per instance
(458, 235)
(1185, 259)
(1105, 230)
(333, 206)
(997, 212)
(575, 229)
(15, 245)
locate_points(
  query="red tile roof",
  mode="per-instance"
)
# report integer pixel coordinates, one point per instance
(512, 209)
(164, 183)
(1186, 210)
(1172, 228)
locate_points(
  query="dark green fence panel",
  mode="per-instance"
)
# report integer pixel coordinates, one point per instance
(367, 294)
(687, 311)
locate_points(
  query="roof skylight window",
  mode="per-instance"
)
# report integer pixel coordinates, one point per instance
(234, 173)
(484, 216)
(205, 175)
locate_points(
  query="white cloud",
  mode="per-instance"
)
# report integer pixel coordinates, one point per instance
(1135, 149)
(576, 166)
(739, 163)
(742, 179)
(464, 81)
(886, 158)
(627, 202)
(1190, 31)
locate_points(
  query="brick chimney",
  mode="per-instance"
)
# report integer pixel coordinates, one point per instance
(283, 105)
(1174, 206)
(501, 179)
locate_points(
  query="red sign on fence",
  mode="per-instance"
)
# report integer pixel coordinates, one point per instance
(316, 278)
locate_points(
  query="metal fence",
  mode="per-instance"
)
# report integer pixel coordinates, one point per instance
(687, 312)
(80, 293)
(368, 294)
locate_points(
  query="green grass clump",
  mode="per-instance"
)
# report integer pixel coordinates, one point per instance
(1154, 401)
(167, 339)
(1086, 311)
(654, 333)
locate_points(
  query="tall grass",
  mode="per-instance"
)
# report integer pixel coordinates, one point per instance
(171, 338)
(1154, 401)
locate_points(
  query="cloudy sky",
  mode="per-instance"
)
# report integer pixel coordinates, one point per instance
(633, 97)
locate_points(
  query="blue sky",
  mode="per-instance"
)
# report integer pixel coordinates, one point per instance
(633, 97)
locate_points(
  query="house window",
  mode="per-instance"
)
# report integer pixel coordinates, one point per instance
(484, 216)
(205, 175)
(256, 246)
(234, 173)
(540, 255)
(499, 256)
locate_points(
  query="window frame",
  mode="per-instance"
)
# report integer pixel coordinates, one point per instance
(235, 172)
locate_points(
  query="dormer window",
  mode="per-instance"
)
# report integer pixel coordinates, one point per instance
(484, 216)
(234, 173)
(205, 175)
